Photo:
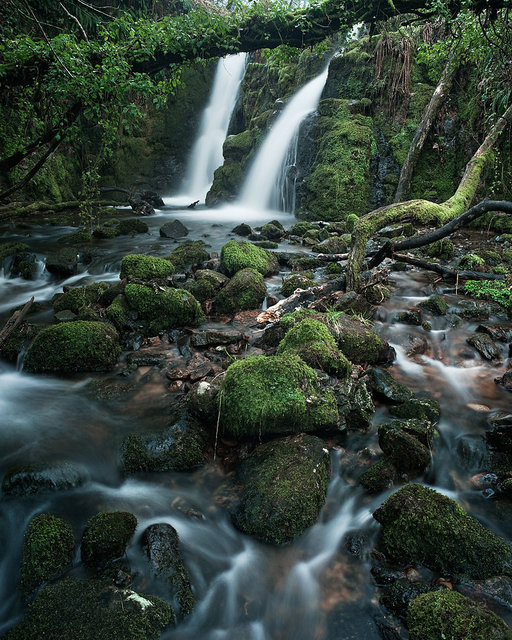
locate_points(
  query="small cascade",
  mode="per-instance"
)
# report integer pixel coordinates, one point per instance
(385, 170)
(206, 154)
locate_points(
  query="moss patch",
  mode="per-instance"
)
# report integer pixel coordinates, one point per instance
(236, 255)
(245, 290)
(105, 537)
(79, 297)
(189, 253)
(141, 267)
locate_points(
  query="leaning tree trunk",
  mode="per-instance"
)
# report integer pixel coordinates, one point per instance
(428, 119)
(422, 212)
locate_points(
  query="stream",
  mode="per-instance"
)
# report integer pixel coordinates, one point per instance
(317, 588)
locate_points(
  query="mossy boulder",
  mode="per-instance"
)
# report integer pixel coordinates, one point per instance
(177, 448)
(165, 308)
(407, 444)
(420, 525)
(190, 253)
(236, 255)
(140, 267)
(74, 346)
(245, 290)
(62, 262)
(296, 281)
(132, 226)
(106, 536)
(380, 476)
(280, 394)
(215, 278)
(418, 409)
(119, 313)
(37, 477)
(19, 340)
(85, 609)
(162, 546)
(106, 231)
(47, 550)
(384, 387)
(437, 305)
(301, 228)
(442, 249)
(449, 614)
(78, 297)
(285, 483)
(333, 244)
(312, 341)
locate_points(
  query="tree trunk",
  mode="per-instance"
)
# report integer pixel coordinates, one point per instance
(429, 116)
(422, 212)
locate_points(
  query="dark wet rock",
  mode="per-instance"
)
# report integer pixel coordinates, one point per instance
(48, 550)
(380, 476)
(384, 387)
(437, 305)
(74, 346)
(211, 337)
(85, 609)
(132, 226)
(178, 448)
(272, 231)
(420, 525)
(417, 408)
(451, 614)
(242, 230)
(500, 435)
(485, 346)
(397, 596)
(215, 278)
(63, 262)
(417, 345)
(285, 483)
(107, 231)
(505, 381)
(492, 592)
(173, 230)
(296, 281)
(23, 265)
(355, 404)
(472, 310)
(142, 208)
(202, 399)
(162, 546)
(29, 479)
(412, 316)
(246, 290)
(151, 197)
(358, 543)
(19, 340)
(354, 303)
(407, 444)
(280, 394)
(498, 334)
(106, 536)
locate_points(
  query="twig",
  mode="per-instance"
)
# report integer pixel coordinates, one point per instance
(70, 15)
(14, 322)
(217, 428)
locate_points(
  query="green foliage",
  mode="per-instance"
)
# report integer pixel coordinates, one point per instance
(497, 290)
(470, 261)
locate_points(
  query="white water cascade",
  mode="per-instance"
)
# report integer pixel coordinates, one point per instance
(206, 153)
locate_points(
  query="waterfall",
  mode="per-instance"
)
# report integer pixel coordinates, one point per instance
(269, 170)
(206, 153)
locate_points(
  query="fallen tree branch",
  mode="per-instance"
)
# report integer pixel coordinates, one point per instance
(14, 321)
(447, 272)
(22, 209)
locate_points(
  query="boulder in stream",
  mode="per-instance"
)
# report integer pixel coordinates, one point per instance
(420, 525)
(407, 444)
(106, 536)
(63, 262)
(147, 268)
(417, 409)
(386, 388)
(485, 346)
(28, 479)
(47, 550)
(173, 230)
(191, 253)
(285, 483)
(85, 609)
(235, 256)
(380, 476)
(74, 346)
(76, 298)
(246, 290)
(278, 394)
(162, 546)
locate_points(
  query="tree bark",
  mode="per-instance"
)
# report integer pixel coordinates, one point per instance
(436, 102)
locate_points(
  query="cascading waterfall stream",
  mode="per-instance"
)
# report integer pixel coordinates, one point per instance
(206, 153)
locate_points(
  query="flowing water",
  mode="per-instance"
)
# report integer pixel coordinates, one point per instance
(319, 587)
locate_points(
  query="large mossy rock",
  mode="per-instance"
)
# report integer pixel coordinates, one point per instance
(178, 448)
(246, 290)
(285, 483)
(420, 525)
(236, 255)
(141, 267)
(190, 253)
(38, 477)
(313, 342)
(165, 308)
(407, 444)
(78, 297)
(85, 609)
(280, 394)
(162, 546)
(74, 346)
(47, 551)
(106, 536)
(448, 614)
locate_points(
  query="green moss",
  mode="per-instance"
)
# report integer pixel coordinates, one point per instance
(296, 281)
(448, 614)
(245, 290)
(79, 297)
(274, 395)
(338, 183)
(218, 280)
(141, 267)
(407, 444)
(163, 309)
(422, 526)
(131, 226)
(435, 304)
(105, 232)
(189, 253)
(106, 536)
(201, 289)
(79, 237)
(301, 228)
(10, 249)
(312, 341)
(470, 261)
(118, 313)
(380, 476)
(236, 255)
(47, 551)
(334, 268)
(417, 409)
(442, 249)
(285, 487)
(85, 609)
(18, 341)
(74, 346)
(227, 182)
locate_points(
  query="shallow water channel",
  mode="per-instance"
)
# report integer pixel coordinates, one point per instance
(319, 587)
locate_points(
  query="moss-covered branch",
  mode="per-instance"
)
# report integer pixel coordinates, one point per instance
(35, 208)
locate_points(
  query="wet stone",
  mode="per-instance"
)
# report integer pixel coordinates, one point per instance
(37, 478)
(214, 337)
(498, 334)
(242, 230)
(411, 316)
(485, 346)
(505, 381)
(385, 387)
(472, 310)
(173, 230)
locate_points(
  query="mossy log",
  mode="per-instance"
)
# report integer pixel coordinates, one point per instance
(22, 209)
(419, 211)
